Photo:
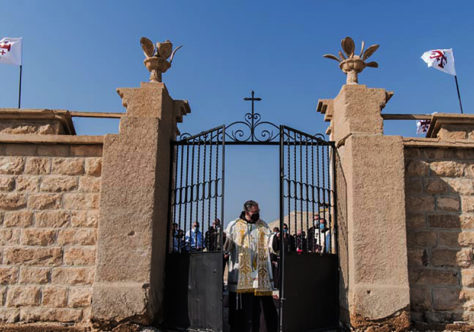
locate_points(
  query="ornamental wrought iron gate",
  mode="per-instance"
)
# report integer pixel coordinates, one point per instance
(194, 265)
(309, 278)
(307, 268)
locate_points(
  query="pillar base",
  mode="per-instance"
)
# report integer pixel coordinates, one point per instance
(118, 304)
(399, 321)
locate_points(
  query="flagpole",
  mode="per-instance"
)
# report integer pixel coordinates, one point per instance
(459, 96)
(19, 88)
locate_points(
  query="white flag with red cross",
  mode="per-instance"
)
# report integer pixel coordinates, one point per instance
(11, 51)
(422, 126)
(441, 59)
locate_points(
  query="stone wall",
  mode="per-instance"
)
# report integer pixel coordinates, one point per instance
(440, 233)
(49, 201)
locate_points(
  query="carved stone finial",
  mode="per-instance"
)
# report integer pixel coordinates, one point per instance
(158, 59)
(353, 64)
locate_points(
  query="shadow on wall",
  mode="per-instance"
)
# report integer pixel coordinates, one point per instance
(342, 239)
(439, 208)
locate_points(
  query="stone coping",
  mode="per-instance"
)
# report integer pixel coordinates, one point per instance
(43, 327)
(63, 116)
(326, 107)
(50, 139)
(440, 119)
(438, 143)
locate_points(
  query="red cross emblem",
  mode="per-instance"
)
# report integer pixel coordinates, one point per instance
(440, 57)
(5, 46)
(425, 125)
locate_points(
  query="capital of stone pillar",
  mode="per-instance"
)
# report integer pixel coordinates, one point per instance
(152, 100)
(371, 210)
(355, 110)
(131, 245)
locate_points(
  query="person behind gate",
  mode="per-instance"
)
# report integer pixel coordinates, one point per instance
(194, 239)
(251, 306)
(212, 237)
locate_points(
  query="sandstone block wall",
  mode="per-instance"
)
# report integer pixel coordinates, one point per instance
(440, 233)
(32, 127)
(49, 201)
(456, 132)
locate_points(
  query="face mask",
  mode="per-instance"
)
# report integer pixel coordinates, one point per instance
(285, 231)
(255, 217)
(321, 226)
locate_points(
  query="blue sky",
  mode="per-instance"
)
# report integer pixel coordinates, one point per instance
(76, 53)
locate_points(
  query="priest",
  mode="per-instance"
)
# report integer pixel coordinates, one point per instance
(250, 281)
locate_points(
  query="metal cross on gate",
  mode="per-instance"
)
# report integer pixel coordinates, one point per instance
(252, 116)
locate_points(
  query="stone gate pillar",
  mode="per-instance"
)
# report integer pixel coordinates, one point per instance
(129, 280)
(371, 210)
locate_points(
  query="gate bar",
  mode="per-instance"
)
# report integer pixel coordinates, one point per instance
(281, 293)
(334, 194)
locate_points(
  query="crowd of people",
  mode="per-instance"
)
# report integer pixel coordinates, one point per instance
(317, 240)
(252, 255)
(193, 240)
